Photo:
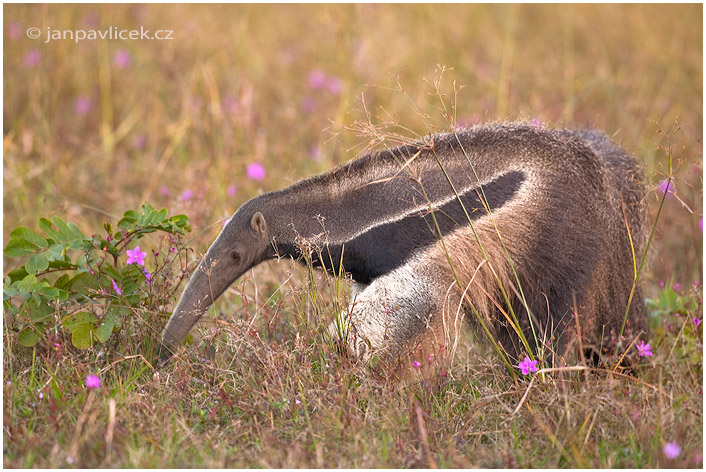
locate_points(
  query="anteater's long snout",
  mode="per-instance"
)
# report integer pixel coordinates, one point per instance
(198, 295)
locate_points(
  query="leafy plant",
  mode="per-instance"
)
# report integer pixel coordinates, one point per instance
(80, 284)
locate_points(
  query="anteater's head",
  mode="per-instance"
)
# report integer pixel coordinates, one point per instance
(244, 242)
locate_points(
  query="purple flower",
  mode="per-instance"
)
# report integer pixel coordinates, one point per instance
(667, 186)
(317, 79)
(256, 171)
(41, 396)
(661, 284)
(416, 364)
(14, 30)
(136, 256)
(187, 194)
(697, 321)
(231, 190)
(315, 153)
(671, 450)
(32, 58)
(139, 141)
(527, 366)
(230, 105)
(117, 290)
(676, 287)
(93, 381)
(121, 58)
(643, 349)
(148, 276)
(308, 105)
(334, 85)
(83, 105)
(90, 21)
(164, 190)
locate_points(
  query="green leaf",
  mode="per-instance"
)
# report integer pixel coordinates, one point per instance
(28, 337)
(48, 229)
(8, 292)
(83, 283)
(37, 263)
(161, 215)
(75, 231)
(37, 311)
(26, 284)
(20, 247)
(104, 331)
(22, 232)
(61, 264)
(73, 322)
(82, 336)
(63, 282)
(51, 292)
(17, 274)
(129, 218)
(64, 232)
(56, 251)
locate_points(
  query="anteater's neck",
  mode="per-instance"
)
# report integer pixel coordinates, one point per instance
(375, 216)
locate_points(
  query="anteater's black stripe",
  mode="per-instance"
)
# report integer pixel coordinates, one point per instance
(386, 247)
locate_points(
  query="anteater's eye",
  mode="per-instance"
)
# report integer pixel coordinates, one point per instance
(236, 256)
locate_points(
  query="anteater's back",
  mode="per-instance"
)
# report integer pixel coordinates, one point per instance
(567, 232)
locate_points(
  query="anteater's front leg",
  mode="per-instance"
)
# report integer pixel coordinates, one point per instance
(392, 311)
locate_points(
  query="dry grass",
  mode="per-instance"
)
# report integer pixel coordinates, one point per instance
(86, 138)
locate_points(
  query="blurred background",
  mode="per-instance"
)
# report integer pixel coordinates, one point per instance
(250, 98)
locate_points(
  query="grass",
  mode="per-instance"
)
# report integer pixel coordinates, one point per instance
(88, 136)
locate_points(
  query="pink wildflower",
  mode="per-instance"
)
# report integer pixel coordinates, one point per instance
(256, 171)
(667, 186)
(121, 58)
(32, 58)
(117, 290)
(671, 450)
(14, 30)
(83, 105)
(527, 366)
(644, 349)
(317, 79)
(136, 256)
(334, 85)
(93, 381)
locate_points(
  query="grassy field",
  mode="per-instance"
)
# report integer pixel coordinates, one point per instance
(249, 99)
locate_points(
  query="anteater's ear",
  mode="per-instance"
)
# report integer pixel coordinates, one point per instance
(259, 224)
